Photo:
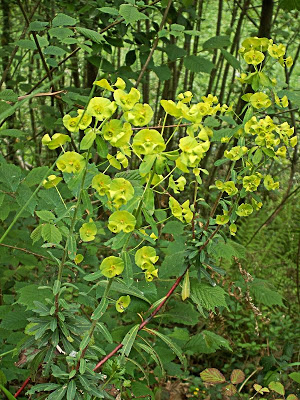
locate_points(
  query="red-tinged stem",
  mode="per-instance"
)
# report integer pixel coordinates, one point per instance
(144, 323)
(22, 387)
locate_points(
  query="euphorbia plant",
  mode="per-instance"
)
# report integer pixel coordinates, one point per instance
(101, 195)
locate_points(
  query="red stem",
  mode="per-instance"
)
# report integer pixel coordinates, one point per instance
(22, 387)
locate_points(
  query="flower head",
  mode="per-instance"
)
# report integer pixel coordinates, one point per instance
(71, 162)
(88, 231)
(112, 266)
(122, 303)
(148, 141)
(121, 221)
(127, 100)
(139, 115)
(101, 108)
(101, 183)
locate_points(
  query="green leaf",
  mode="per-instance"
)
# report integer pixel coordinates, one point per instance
(207, 296)
(31, 293)
(8, 95)
(153, 354)
(7, 393)
(198, 64)
(100, 310)
(90, 34)
(60, 33)
(35, 176)
(26, 44)
(71, 390)
(51, 234)
(174, 52)
(45, 215)
(131, 14)
(58, 394)
(122, 288)
(257, 157)
(105, 332)
(128, 341)
(176, 349)
(216, 42)
(109, 10)
(206, 342)
(163, 72)
(265, 293)
(36, 234)
(54, 51)
(237, 376)
(88, 140)
(128, 272)
(63, 20)
(295, 376)
(277, 387)
(147, 164)
(212, 376)
(12, 132)
(10, 175)
(234, 62)
(37, 26)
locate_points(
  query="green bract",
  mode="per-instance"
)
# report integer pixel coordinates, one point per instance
(270, 184)
(71, 162)
(101, 183)
(254, 57)
(140, 115)
(101, 108)
(121, 221)
(51, 181)
(117, 133)
(222, 219)
(122, 303)
(71, 123)
(127, 100)
(148, 141)
(251, 182)
(88, 231)
(57, 140)
(260, 100)
(235, 153)
(244, 210)
(112, 266)
(228, 187)
(120, 191)
(145, 257)
(85, 119)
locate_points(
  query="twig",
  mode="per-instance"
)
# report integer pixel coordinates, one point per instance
(24, 250)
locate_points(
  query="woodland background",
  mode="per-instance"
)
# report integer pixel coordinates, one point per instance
(195, 47)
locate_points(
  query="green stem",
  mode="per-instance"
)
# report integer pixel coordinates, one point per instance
(26, 204)
(94, 323)
(73, 222)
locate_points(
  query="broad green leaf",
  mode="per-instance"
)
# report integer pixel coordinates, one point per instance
(216, 42)
(8, 95)
(147, 164)
(90, 34)
(109, 10)
(54, 51)
(234, 62)
(176, 349)
(51, 234)
(128, 341)
(122, 288)
(63, 20)
(60, 33)
(198, 64)
(277, 387)
(131, 14)
(174, 52)
(257, 157)
(12, 133)
(37, 26)
(212, 376)
(88, 140)
(36, 234)
(26, 44)
(207, 296)
(206, 342)
(31, 293)
(10, 175)
(45, 215)
(295, 376)
(163, 72)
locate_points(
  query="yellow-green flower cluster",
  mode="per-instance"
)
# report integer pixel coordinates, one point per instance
(181, 212)
(145, 258)
(228, 187)
(118, 191)
(251, 182)
(266, 131)
(112, 266)
(121, 221)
